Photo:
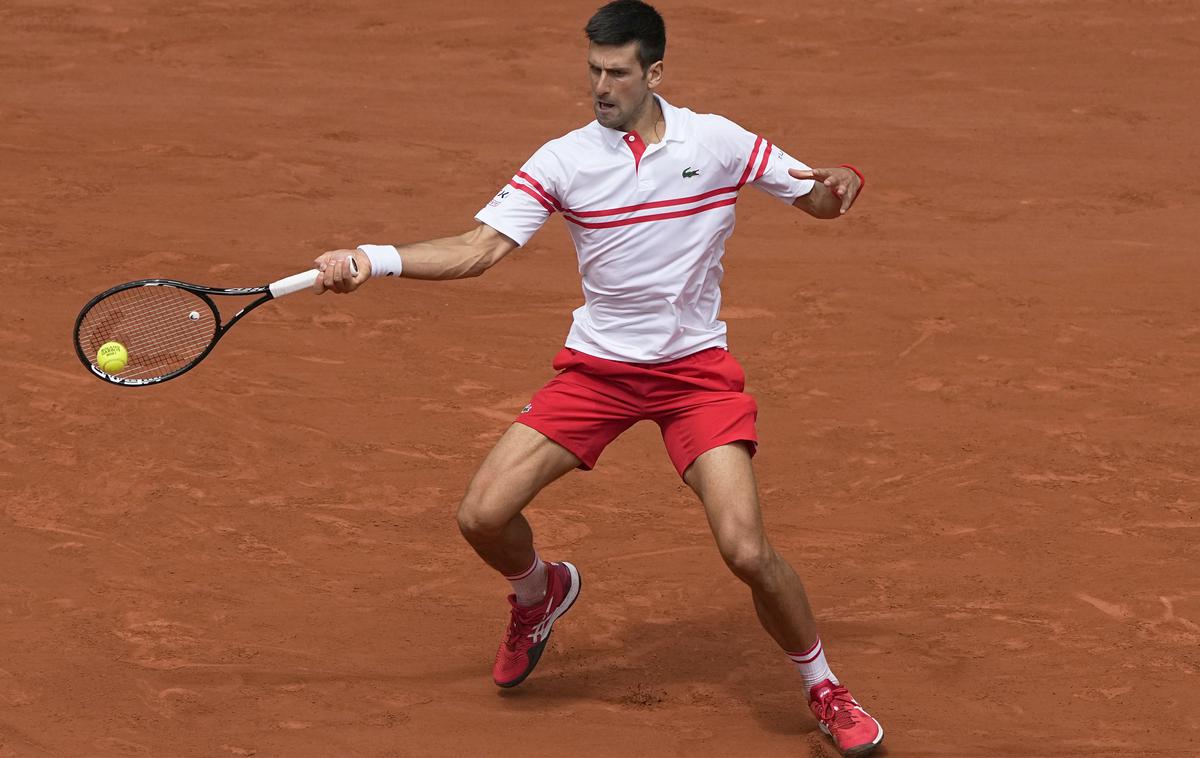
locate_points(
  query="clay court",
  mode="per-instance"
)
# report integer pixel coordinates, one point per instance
(978, 391)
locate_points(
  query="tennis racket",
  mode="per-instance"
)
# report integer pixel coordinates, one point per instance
(166, 326)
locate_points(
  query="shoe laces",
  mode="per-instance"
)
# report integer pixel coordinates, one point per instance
(838, 708)
(520, 626)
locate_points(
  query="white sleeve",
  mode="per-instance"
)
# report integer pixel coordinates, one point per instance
(775, 179)
(756, 160)
(521, 207)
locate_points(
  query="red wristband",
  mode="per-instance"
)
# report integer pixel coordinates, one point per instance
(862, 179)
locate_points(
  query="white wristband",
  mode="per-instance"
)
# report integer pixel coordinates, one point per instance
(385, 259)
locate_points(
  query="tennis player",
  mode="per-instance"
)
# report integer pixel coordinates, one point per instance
(647, 190)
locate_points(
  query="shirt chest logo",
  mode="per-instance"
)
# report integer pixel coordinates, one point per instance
(689, 172)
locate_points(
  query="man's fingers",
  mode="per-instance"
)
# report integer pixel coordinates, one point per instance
(819, 174)
(345, 279)
(335, 273)
(847, 200)
(842, 182)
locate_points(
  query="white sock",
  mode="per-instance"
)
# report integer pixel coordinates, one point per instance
(812, 665)
(530, 585)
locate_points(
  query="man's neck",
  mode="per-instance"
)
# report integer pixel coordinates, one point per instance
(650, 125)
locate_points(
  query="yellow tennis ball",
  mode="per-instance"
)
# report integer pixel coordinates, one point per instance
(112, 357)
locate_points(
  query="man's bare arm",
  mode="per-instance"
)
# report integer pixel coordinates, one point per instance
(459, 257)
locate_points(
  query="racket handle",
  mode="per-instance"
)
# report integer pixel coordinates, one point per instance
(300, 282)
(294, 283)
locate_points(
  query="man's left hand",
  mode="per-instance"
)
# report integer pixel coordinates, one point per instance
(841, 181)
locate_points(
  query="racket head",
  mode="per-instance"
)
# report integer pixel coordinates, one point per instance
(166, 326)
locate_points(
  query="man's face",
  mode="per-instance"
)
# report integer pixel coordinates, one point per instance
(620, 88)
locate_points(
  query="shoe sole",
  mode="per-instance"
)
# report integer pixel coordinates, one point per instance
(535, 652)
(854, 752)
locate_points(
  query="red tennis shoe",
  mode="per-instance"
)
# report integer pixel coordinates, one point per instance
(529, 628)
(853, 730)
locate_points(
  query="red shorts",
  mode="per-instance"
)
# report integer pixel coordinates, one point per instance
(697, 401)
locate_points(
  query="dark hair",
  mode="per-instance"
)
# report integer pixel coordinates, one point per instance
(624, 21)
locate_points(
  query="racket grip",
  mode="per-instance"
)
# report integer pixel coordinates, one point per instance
(294, 283)
(300, 282)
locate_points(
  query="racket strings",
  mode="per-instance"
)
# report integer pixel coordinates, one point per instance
(163, 329)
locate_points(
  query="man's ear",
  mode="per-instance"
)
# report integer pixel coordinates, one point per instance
(654, 75)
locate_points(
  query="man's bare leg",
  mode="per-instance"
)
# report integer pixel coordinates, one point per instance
(724, 479)
(522, 463)
(518, 467)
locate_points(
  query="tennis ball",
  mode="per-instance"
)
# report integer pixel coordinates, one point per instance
(112, 357)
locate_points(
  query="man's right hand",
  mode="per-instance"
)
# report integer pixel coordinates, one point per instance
(335, 271)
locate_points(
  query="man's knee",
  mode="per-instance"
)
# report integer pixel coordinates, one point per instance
(480, 517)
(749, 558)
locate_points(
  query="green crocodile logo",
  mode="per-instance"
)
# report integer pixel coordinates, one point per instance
(688, 172)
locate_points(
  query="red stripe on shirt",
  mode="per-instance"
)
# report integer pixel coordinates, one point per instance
(539, 193)
(762, 169)
(553, 200)
(549, 208)
(654, 204)
(750, 163)
(652, 216)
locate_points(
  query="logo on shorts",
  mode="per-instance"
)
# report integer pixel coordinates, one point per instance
(528, 407)
(689, 172)
(496, 200)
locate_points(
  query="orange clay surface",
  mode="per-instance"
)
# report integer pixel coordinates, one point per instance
(978, 392)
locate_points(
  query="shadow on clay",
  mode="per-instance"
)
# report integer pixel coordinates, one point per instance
(714, 662)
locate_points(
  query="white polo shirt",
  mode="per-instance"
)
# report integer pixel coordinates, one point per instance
(649, 224)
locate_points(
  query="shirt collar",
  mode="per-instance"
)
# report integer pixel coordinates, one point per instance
(672, 126)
